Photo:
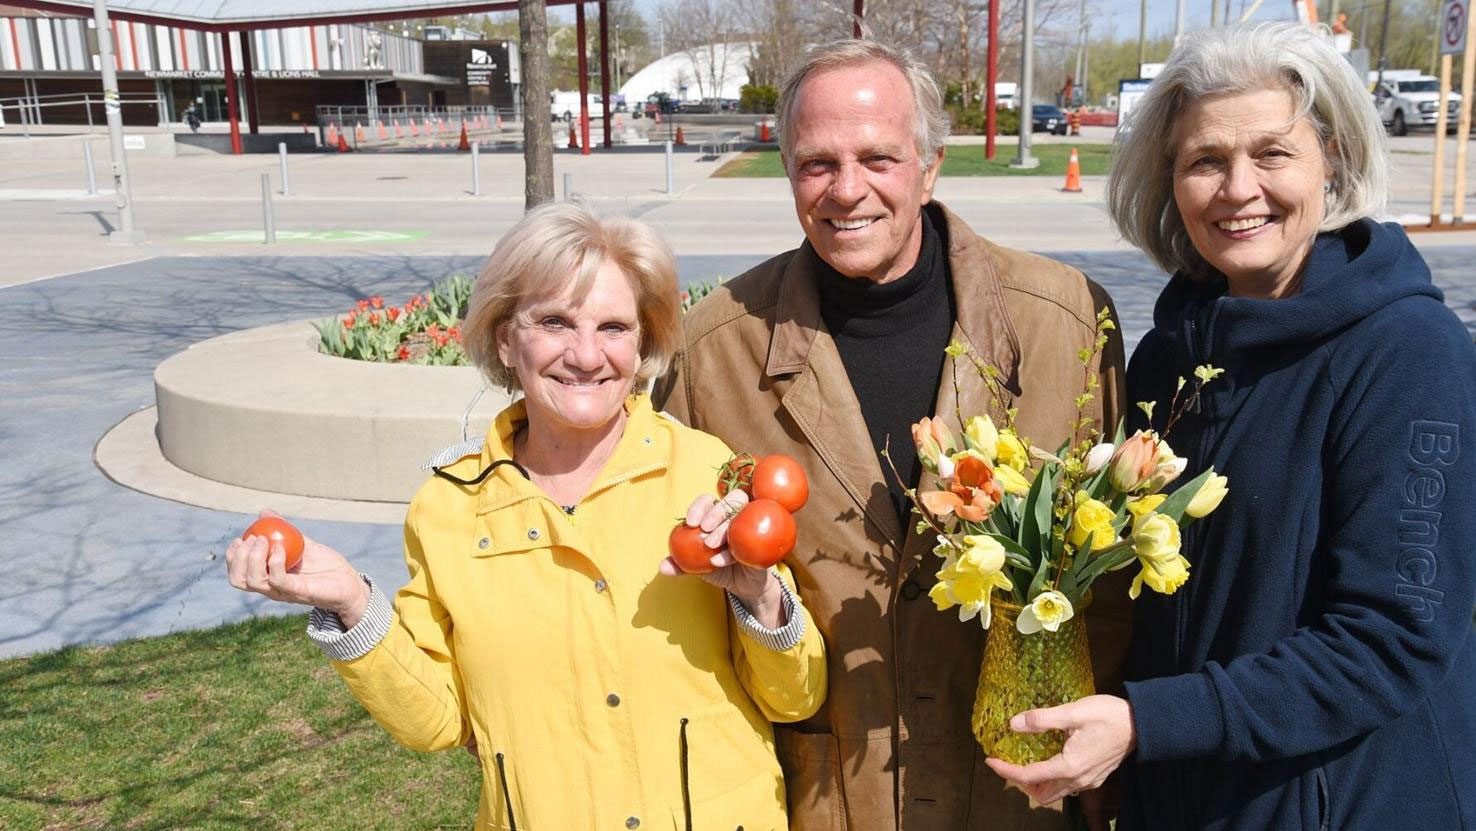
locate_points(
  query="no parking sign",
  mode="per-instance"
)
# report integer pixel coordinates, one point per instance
(1453, 26)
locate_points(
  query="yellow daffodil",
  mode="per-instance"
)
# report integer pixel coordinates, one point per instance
(969, 577)
(1010, 451)
(1047, 611)
(1013, 481)
(1091, 520)
(1210, 495)
(1163, 576)
(981, 435)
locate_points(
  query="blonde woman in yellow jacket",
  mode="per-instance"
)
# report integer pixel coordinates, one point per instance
(543, 623)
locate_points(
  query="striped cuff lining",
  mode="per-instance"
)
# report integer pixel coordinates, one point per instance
(340, 643)
(782, 639)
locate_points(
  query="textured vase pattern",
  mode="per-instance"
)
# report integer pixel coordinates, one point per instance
(1027, 672)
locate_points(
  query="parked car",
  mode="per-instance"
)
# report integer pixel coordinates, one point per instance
(1047, 118)
(1406, 98)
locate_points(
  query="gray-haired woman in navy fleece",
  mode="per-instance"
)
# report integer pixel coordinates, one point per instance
(1318, 670)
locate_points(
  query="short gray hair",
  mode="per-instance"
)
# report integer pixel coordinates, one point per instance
(930, 125)
(1291, 56)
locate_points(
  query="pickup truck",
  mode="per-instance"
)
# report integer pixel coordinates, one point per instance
(1408, 99)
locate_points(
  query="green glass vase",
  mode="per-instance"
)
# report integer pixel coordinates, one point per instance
(1028, 672)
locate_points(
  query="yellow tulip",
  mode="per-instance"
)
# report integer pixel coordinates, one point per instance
(1210, 495)
(1013, 481)
(1011, 451)
(981, 435)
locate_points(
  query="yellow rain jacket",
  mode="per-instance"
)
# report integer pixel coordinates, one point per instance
(602, 695)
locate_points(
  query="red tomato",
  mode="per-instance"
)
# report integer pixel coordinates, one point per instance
(736, 474)
(278, 530)
(762, 533)
(689, 551)
(780, 478)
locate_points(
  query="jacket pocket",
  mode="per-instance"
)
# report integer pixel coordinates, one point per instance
(1324, 802)
(730, 780)
(812, 779)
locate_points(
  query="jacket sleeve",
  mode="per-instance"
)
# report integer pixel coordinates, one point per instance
(409, 682)
(1399, 512)
(788, 684)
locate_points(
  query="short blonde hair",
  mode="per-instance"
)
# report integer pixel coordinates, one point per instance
(562, 245)
(1290, 56)
(930, 119)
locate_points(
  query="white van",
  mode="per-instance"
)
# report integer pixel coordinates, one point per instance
(564, 106)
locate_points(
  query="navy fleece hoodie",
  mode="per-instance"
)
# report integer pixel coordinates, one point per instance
(1318, 670)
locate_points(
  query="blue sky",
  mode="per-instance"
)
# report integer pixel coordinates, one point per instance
(1122, 15)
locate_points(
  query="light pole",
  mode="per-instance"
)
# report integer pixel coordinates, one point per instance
(1024, 101)
(122, 191)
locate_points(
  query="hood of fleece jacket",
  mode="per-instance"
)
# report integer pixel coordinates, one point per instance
(1350, 274)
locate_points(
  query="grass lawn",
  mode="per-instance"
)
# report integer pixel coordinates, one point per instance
(961, 160)
(242, 727)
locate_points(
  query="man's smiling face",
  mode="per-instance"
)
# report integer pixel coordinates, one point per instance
(859, 184)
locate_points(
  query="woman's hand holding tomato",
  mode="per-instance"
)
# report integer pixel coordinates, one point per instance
(323, 578)
(756, 588)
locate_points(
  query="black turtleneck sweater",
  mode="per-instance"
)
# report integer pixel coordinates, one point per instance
(891, 338)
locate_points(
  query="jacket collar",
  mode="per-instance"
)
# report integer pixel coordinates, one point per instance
(644, 448)
(983, 321)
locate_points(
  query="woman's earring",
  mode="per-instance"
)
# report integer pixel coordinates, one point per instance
(1327, 186)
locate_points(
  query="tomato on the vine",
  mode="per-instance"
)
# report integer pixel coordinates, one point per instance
(780, 478)
(736, 474)
(762, 534)
(689, 551)
(278, 530)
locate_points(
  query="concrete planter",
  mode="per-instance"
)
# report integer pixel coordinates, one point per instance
(263, 409)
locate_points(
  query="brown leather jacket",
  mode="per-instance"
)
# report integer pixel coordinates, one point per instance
(892, 747)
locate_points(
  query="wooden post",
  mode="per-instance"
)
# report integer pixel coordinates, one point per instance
(1436, 196)
(1468, 65)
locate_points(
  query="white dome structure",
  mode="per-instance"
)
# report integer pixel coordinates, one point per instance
(688, 76)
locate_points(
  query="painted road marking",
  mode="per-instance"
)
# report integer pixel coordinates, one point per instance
(309, 236)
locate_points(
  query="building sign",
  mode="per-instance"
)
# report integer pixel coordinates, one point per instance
(480, 68)
(217, 75)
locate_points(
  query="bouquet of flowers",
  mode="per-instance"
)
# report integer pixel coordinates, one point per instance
(1023, 533)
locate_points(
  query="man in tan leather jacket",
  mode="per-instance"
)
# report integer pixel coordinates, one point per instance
(828, 352)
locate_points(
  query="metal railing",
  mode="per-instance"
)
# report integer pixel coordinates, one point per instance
(29, 109)
(370, 116)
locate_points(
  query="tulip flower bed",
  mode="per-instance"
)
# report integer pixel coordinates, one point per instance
(426, 330)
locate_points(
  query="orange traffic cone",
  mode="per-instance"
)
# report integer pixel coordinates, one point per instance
(681, 138)
(331, 138)
(573, 139)
(463, 144)
(381, 132)
(499, 122)
(764, 134)
(657, 114)
(358, 134)
(342, 144)
(399, 132)
(1073, 174)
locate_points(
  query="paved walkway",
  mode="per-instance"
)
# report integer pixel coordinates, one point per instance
(89, 561)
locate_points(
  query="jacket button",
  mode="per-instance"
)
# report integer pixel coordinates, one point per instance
(483, 543)
(600, 584)
(532, 533)
(911, 590)
(614, 701)
(632, 822)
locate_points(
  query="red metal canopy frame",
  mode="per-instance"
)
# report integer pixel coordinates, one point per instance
(427, 10)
